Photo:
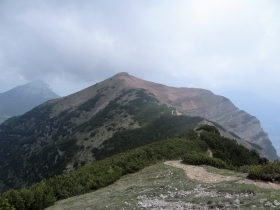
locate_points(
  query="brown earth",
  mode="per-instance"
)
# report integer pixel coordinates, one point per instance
(201, 175)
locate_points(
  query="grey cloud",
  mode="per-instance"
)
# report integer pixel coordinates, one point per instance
(84, 39)
(199, 43)
(217, 45)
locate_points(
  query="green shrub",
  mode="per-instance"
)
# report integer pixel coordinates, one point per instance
(266, 172)
(209, 128)
(230, 151)
(98, 174)
(195, 158)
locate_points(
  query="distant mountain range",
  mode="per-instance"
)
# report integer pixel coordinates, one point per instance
(118, 114)
(21, 99)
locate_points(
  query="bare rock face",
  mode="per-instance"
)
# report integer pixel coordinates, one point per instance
(241, 123)
(203, 103)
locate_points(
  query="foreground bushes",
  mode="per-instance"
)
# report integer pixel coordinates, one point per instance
(191, 147)
(97, 175)
(266, 172)
(195, 158)
(230, 151)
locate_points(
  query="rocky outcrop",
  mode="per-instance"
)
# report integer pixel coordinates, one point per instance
(168, 202)
(246, 126)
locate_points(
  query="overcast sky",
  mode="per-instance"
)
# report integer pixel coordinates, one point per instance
(217, 45)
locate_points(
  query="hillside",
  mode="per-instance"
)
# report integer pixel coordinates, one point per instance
(21, 99)
(109, 117)
(203, 103)
(226, 154)
(163, 186)
(40, 144)
(190, 101)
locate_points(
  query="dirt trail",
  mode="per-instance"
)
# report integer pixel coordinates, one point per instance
(200, 174)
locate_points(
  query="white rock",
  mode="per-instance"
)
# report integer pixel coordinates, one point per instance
(237, 201)
(268, 203)
(276, 203)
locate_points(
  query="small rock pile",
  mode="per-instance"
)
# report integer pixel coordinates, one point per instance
(267, 203)
(156, 204)
(173, 199)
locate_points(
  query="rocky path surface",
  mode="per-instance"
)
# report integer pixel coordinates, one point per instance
(165, 187)
(201, 175)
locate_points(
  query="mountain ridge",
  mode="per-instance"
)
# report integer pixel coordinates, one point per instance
(203, 103)
(190, 101)
(111, 116)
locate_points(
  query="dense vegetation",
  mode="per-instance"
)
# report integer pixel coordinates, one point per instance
(230, 155)
(163, 127)
(191, 146)
(156, 121)
(230, 151)
(30, 144)
(266, 172)
(227, 153)
(195, 158)
(99, 174)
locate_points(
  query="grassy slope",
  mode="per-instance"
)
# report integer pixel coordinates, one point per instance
(161, 179)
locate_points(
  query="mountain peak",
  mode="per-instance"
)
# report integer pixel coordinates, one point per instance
(37, 83)
(123, 74)
(25, 97)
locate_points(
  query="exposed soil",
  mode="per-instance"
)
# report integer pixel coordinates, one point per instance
(201, 175)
